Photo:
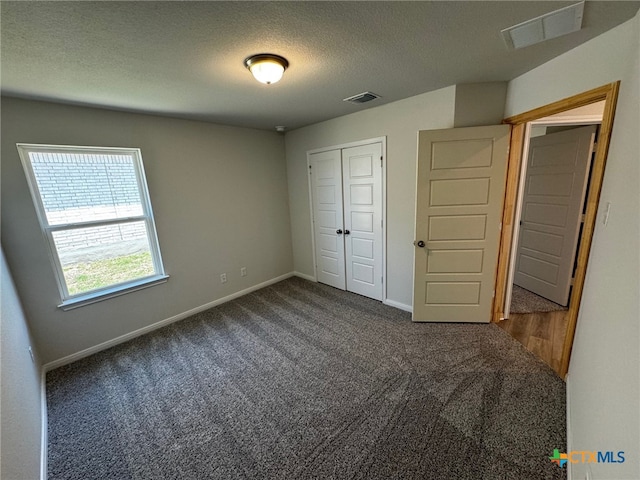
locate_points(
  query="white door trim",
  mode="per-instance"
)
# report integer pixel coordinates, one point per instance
(359, 143)
(569, 120)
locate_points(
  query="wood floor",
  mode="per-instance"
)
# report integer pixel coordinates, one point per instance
(541, 333)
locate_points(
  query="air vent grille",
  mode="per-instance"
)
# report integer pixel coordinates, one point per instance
(363, 97)
(551, 25)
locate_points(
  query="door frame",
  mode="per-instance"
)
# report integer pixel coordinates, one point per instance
(359, 143)
(608, 93)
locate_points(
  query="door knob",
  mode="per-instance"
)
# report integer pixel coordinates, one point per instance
(419, 243)
(347, 232)
(339, 232)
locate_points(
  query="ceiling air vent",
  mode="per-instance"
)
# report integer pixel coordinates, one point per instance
(363, 97)
(550, 25)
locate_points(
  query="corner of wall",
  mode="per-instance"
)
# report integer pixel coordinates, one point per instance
(23, 416)
(478, 104)
(195, 201)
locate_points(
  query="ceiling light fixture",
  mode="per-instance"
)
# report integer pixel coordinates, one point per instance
(266, 67)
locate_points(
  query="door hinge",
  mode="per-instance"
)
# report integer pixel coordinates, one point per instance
(500, 228)
(494, 294)
(381, 223)
(595, 147)
(381, 279)
(381, 162)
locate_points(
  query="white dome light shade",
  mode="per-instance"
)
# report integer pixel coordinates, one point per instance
(267, 71)
(266, 68)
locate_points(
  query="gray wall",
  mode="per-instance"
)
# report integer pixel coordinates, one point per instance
(219, 195)
(399, 122)
(604, 374)
(20, 389)
(479, 104)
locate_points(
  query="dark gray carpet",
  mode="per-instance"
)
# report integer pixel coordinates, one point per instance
(303, 381)
(524, 301)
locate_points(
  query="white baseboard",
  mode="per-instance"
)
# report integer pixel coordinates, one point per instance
(305, 276)
(43, 426)
(154, 326)
(401, 306)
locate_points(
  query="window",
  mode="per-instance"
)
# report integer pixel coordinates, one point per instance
(94, 210)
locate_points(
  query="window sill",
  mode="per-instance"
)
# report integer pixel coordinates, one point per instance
(94, 297)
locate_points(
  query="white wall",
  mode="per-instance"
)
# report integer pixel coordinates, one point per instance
(219, 195)
(604, 376)
(399, 122)
(20, 388)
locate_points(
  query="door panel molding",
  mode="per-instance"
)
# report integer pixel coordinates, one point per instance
(608, 93)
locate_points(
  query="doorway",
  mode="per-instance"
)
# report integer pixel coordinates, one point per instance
(550, 208)
(556, 170)
(561, 328)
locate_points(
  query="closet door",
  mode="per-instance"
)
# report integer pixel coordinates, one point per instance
(362, 186)
(326, 192)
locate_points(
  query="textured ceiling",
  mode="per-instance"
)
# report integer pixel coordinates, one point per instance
(185, 58)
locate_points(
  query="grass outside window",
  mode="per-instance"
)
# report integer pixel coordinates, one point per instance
(86, 276)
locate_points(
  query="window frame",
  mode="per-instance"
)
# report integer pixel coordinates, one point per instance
(70, 301)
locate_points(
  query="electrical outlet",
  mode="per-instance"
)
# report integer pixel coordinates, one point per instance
(223, 278)
(243, 272)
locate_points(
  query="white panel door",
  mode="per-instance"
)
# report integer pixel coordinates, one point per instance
(326, 192)
(362, 187)
(461, 182)
(554, 193)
